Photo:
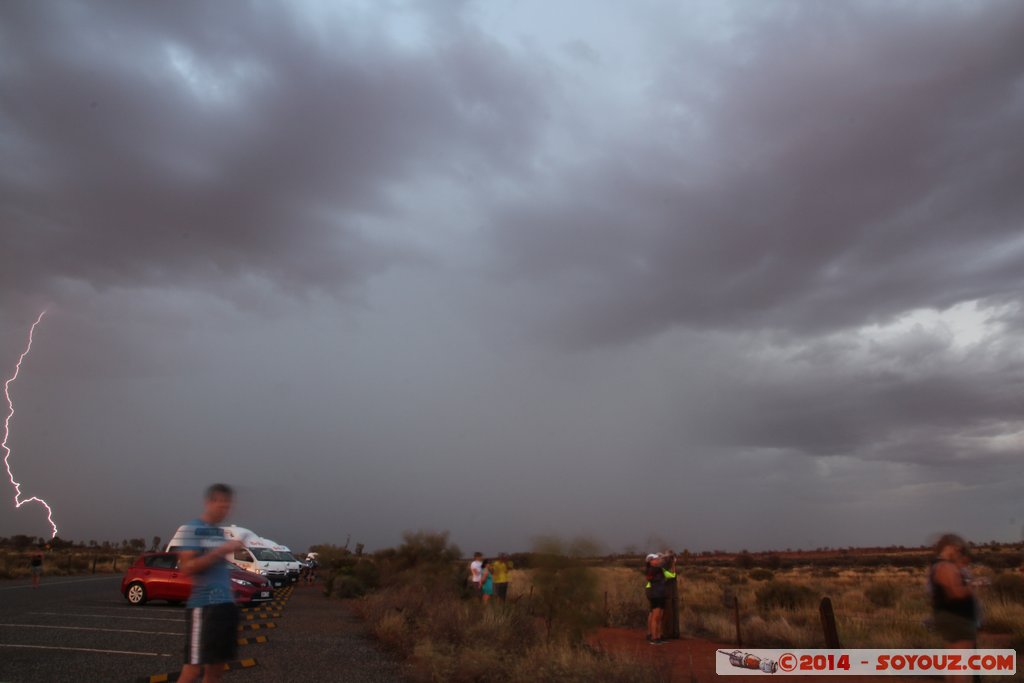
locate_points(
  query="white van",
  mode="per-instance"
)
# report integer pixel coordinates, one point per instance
(257, 555)
(294, 566)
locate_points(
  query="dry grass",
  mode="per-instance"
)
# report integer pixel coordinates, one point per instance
(15, 565)
(447, 637)
(880, 607)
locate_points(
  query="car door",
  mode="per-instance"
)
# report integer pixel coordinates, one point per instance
(163, 579)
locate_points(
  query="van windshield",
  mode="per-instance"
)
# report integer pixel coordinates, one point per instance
(264, 554)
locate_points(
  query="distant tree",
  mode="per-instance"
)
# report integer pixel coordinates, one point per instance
(156, 543)
(21, 541)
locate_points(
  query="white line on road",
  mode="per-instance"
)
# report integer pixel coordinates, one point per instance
(60, 583)
(87, 649)
(93, 628)
(107, 616)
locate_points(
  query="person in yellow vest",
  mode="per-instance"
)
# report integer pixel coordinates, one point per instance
(500, 569)
(657, 577)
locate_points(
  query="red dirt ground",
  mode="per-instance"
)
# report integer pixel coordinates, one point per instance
(692, 660)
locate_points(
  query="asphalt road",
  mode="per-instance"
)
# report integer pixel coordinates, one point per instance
(79, 629)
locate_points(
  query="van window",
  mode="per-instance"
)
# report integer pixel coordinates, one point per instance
(265, 555)
(243, 555)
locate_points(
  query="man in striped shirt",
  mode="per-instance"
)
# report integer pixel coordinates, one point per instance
(211, 625)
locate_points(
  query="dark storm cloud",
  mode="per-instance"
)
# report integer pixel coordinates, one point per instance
(189, 144)
(825, 167)
(924, 403)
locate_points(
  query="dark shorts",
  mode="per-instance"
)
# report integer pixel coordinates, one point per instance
(211, 634)
(657, 603)
(501, 590)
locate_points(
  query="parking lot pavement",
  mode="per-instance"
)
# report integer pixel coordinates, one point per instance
(81, 629)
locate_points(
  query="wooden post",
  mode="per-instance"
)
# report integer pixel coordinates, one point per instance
(115, 564)
(69, 563)
(736, 607)
(606, 615)
(93, 564)
(828, 624)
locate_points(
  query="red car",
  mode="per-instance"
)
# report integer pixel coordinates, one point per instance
(155, 576)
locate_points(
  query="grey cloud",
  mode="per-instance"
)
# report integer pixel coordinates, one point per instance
(824, 169)
(195, 143)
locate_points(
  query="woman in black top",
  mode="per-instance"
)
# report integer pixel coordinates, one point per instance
(954, 606)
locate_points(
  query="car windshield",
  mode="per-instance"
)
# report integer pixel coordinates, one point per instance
(287, 557)
(265, 554)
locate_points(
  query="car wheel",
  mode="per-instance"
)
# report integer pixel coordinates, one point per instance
(136, 593)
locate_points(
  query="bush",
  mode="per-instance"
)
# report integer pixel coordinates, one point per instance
(761, 574)
(1009, 588)
(882, 593)
(565, 589)
(345, 586)
(784, 595)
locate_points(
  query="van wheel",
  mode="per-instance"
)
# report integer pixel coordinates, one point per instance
(136, 593)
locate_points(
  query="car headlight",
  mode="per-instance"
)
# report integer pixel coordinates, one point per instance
(241, 582)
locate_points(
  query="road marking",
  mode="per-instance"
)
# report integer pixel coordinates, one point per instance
(106, 616)
(93, 628)
(87, 649)
(58, 583)
(173, 676)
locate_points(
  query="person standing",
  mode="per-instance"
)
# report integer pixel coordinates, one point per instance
(486, 581)
(954, 605)
(36, 567)
(656, 576)
(501, 568)
(211, 617)
(476, 573)
(670, 615)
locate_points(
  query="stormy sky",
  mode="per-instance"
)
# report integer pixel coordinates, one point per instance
(715, 274)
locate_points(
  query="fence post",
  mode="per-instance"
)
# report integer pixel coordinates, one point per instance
(607, 616)
(736, 607)
(828, 624)
(115, 564)
(93, 564)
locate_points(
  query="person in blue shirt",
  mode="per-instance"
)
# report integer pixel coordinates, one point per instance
(211, 623)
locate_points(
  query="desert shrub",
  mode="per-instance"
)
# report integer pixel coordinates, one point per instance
(566, 595)
(784, 595)
(882, 593)
(761, 574)
(424, 557)
(744, 560)
(826, 573)
(1009, 588)
(346, 586)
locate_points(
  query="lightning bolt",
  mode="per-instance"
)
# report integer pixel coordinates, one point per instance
(18, 502)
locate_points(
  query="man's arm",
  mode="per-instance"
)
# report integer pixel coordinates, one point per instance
(191, 562)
